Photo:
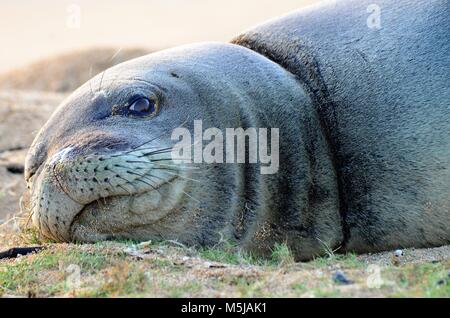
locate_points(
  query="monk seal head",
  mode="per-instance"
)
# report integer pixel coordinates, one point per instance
(101, 167)
(102, 164)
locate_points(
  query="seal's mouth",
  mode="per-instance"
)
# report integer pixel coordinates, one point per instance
(93, 197)
(115, 216)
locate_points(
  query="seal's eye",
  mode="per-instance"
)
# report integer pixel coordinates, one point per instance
(142, 107)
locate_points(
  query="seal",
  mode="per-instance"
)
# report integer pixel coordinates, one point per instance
(364, 138)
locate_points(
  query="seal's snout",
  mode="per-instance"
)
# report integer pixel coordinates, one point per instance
(76, 178)
(53, 210)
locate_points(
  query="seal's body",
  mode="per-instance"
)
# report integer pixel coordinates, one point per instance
(364, 121)
(382, 93)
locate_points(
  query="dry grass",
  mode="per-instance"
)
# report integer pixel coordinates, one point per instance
(166, 269)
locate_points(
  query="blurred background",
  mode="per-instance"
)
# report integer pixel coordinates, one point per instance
(34, 29)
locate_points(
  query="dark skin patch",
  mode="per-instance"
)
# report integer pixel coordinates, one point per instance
(15, 168)
(16, 251)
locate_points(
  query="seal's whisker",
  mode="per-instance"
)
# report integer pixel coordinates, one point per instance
(147, 148)
(30, 210)
(110, 184)
(170, 182)
(44, 225)
(119, 166)
(178, 175)
(159, 136)
(142, 80)
(167, 149)
(149, 184)
(126, 182)
(163, 169)
(169, 169)
(101, 81)
(155, 147)
(130, 172)
(12, 219)
(27, 209)
(136, 174)
(140, 180)
(144, 182)
(180, 167)
(190, 196)
(115, 54)
(161, 159)
(149, 141)
(157, 152)
(154, 153)
(122, 187)
(29, 218)
(138, 148)
(147, 178)
(90, 82)
(116, 77)
(120, 177)
(134, 187)
(143, 176)
(114, 80)
(137, 161)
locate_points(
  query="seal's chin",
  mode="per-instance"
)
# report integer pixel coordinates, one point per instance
(121, 216)
(127, 217)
